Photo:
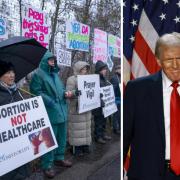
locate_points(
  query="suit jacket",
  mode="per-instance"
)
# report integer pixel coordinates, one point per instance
(144, 127)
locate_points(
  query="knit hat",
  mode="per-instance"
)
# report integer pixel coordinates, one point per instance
(5, 67)
(99, 66)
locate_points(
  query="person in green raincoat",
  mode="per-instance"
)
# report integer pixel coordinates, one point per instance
(46, 83)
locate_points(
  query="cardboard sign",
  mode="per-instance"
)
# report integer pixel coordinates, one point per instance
(110, 63)
(77, 36)
(25, 133)
(63, 57)
(100, 52)
(109, 100)
(114, 48)
(89, 86)
(34, 25)
(3, 29)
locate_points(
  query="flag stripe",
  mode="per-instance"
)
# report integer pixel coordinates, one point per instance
(147, 31)
(145, 53)
(138, 68)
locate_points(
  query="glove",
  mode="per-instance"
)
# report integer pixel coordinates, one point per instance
(77, 92)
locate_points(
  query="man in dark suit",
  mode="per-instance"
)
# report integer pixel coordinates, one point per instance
(151, 125)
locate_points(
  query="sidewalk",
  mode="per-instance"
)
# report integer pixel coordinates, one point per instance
(88, 165)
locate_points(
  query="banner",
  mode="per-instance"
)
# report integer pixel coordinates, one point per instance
(114, 44)
(100, 46)
(109, 100)
(25, 133)
(89, 86)
(3, 29)
(77, 36)
(63, 57)
(34, 25)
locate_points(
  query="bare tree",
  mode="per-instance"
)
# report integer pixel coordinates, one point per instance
(43, 3)
(54, 20)
(20, 13)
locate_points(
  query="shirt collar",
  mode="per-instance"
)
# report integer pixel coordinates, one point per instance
(166, 81)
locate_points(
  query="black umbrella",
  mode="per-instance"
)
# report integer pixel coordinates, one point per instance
(24, 53)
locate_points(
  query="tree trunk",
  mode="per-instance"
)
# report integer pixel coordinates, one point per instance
(20, 12)
(54, 25)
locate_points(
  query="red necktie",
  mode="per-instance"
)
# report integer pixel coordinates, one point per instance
(175, 129)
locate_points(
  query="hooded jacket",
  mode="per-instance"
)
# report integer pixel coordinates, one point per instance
(46, 83)
(79, 125)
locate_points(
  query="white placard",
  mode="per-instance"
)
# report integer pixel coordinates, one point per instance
(100, 52)
(77, 36)
(63, 57)
(114, 46)
(35, 25)
(110, 63)
(89, 86)
(25, 133)
(109, 100)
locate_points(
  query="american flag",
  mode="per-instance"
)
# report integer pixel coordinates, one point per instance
(143, 22)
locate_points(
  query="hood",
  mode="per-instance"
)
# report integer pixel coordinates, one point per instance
(99, 66)
(78, 66)
(44, 63)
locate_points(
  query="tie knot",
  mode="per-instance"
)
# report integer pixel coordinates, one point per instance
(175, 85)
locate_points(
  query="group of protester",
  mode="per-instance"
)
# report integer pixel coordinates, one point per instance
(62, 107)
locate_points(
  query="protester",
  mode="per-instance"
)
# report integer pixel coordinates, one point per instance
(115, 81)
(99, 120)
(9, 93)
(46, 83)
(79, 124)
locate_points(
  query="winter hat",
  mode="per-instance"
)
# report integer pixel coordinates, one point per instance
(99, 66)
(5, 67)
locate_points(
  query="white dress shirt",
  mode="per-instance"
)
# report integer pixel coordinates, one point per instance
(167, 89)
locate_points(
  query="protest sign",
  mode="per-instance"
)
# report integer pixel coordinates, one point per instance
(109, 100)
(25, 133)
(63, 57)
(114, 48)
(34, 25)
(100, 46)
(89, 86)
(77, 36)
(3, 29)
(110, 63)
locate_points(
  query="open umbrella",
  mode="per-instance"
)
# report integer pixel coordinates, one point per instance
(24, 53)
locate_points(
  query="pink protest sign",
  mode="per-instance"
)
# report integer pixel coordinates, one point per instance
(100, 46)
(34, 25)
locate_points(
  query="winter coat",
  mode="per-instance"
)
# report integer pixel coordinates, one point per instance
(103, 82)
(46, 83)
(5, 98)
(115, 82)
(79, 125)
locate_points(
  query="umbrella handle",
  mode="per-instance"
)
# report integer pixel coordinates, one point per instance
(27, 92)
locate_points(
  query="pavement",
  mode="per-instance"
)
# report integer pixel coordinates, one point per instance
(103, 163)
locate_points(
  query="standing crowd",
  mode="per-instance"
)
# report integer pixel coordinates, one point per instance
(62, 108)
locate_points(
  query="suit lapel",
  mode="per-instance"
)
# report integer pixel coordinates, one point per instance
(157, 93)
